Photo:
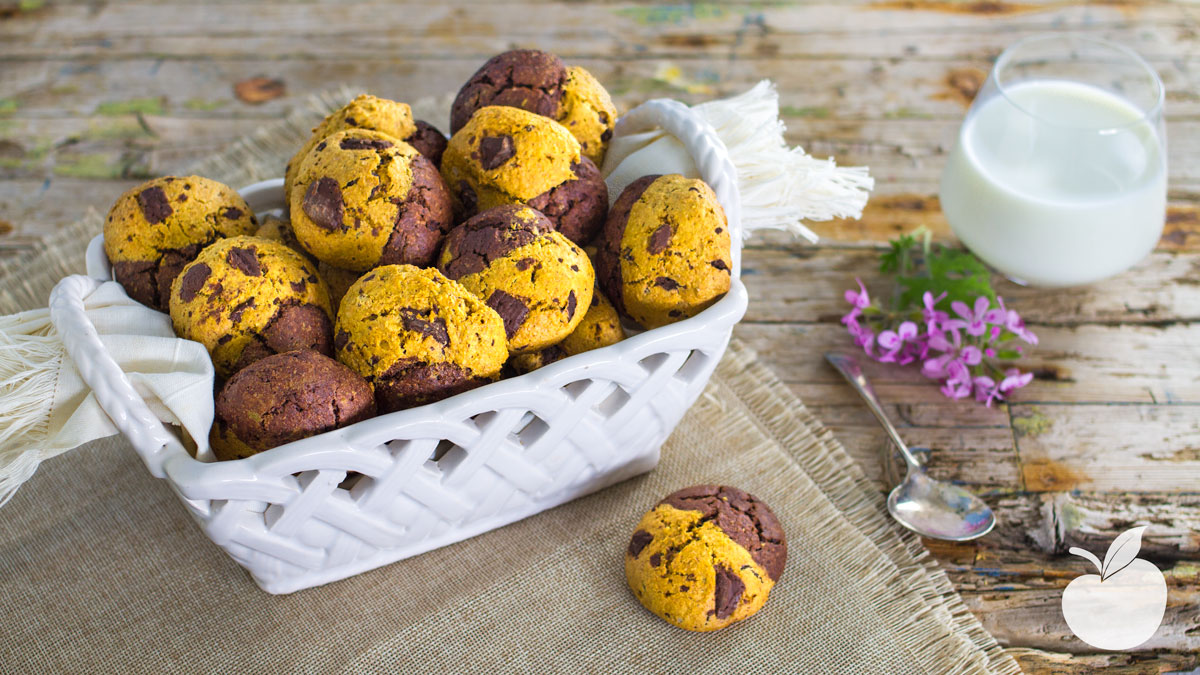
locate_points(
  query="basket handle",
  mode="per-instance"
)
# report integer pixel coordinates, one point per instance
(708, 152)
(151, 439)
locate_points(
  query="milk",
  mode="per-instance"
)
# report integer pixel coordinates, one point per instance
(1056, 183)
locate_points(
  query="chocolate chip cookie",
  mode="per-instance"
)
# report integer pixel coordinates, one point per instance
(505, 155)
(246, 298)
(417, 336)
(705, 557)
(363, 198)
(665, 252)
(161, 225)
(286, 397)
(536, 279)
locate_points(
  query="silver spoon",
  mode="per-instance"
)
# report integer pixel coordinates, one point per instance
(926, 506)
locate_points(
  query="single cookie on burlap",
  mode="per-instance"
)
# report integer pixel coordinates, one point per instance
(541, 83)
(665, 252)
(417, 336)
(363, 198)
(536, 279)
(705, 557)
(156, 228)
(506, 155)
(286, 397)
(246, 298)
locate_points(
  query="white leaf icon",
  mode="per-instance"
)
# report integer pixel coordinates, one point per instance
(1122, 552)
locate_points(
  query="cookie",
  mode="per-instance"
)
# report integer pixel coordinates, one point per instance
(705, 557)
(507, 156)
(373, 114)
(417, 336)
(246, 298)
(536, 279)
(600, 327)
(156, 228)
(541, 83)
(280, 230)
(286, 397)
(363, 198)
(338, 281)
(665, 252)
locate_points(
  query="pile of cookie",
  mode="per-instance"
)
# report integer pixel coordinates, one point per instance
(409, 267)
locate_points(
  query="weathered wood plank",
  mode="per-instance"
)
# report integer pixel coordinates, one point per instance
(1128, 448)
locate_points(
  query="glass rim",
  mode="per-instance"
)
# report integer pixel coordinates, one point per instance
(1150, 114)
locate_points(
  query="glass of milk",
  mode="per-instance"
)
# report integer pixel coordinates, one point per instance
(1059, 175)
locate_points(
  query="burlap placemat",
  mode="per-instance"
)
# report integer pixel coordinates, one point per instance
(101, 570)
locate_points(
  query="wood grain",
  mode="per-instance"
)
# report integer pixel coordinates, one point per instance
(94, 97)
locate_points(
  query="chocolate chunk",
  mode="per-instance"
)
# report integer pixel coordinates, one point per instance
(728, 592)
(193, 280)
(524, 264)
(655, 560)
(571, 304)
(666, 283)
(488, 236)
(659, 239)
(576, 207)
(638, 542)
(525, 78)
(511, 309)
(232, 213)
(298, 286)
(719, 264)
(428, 141)
(154, 204)
(468, 199)
(244, 260)
(341, 340)
(323, 204)
(742, 517)
(365, 144)
(494, 151)
(235, 314)
(436, 328)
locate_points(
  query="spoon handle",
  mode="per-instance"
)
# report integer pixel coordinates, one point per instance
(849, 368)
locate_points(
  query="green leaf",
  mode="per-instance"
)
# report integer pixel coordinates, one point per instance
(958, 274)
(1008, 354)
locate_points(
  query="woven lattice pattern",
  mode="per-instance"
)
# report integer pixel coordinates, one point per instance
(348, 508)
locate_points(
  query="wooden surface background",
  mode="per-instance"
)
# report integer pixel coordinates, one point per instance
(96, 96)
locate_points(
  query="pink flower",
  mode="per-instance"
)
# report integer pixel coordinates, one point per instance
(975, 322)
(860, 300)
(938, 340)
(986, 390)
(971, 355)
(1014, 379)
(932, 315)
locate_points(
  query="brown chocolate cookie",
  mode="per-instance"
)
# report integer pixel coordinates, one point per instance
(428, 141)
(286, 397)
(523, 78)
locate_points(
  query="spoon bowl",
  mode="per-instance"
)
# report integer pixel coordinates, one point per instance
(929, 507)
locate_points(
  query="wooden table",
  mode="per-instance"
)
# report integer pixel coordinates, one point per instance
(96, 96)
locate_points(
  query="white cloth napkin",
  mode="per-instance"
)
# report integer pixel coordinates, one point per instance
(780, 186)
(48, 408)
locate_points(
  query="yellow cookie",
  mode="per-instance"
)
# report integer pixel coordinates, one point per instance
(600, 327)
(536, 279)
(161, 225)
(245, 298)
(417, 336)
(665, 252)
(706, 557)
(363, 198)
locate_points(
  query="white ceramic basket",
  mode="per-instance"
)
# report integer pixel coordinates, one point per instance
(440, 473)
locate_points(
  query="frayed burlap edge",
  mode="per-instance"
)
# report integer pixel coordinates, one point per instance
(916, 585)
